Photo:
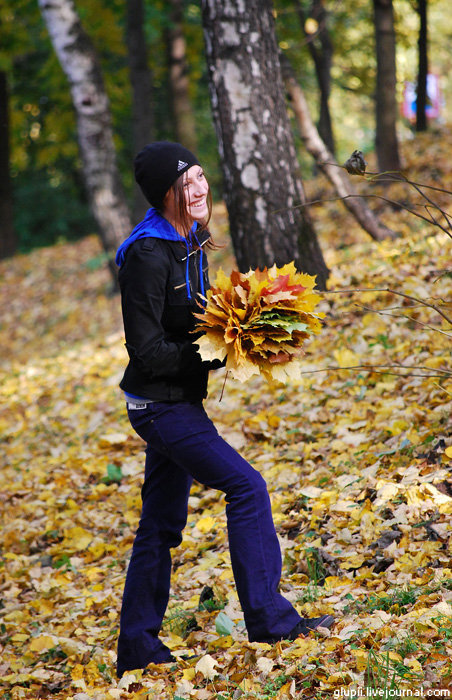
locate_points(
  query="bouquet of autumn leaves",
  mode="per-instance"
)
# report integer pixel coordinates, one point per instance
(259, 320)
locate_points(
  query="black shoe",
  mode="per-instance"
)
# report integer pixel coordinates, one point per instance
(309, 624)
(169, 660)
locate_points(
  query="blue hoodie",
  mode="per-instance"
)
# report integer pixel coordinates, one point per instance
(154, 225)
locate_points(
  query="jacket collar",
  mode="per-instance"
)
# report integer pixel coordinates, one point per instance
(180, 251)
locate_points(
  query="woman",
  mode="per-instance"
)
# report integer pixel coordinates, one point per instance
(163, 275)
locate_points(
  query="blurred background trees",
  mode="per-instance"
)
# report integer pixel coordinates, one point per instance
(80, 63)
(262, 185)
(153, 64)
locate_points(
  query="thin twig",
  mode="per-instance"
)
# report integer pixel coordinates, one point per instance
(392, 308)
(441, 387)
(372, 196)
(389, 291)
(399, 177)
(381, 370)
(407, 318)
(224, 384)
(443, 274)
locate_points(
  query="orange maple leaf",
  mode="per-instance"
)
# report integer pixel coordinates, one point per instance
(281, 284)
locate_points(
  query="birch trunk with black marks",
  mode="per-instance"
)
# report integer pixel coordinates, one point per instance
(260, 168)
(79, 61)
(142, 92)
(325, 160)
(386, 142)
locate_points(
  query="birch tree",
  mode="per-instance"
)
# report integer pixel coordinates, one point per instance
(262, 185)
(79, 61)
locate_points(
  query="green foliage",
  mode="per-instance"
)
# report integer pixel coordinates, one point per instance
(396, 601)
(211, 604)
(49, 199)
(405, 647)
(316, 569)
(271, 688)
(180, 621)
(97, 262)
(223, 624)
(114, 475)
(385, 675)
(46, 212)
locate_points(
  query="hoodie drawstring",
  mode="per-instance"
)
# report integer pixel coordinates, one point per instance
(187, 266)
(201, 274)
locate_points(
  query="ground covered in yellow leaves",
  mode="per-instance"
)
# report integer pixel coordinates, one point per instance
(358, 463)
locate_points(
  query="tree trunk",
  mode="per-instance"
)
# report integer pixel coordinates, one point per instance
(8, 238)
(184, 120)
(141, 81)
(421, 98)
(386, 143)
(95, 135)
(322, 62)
(325, 160)
(259, 162)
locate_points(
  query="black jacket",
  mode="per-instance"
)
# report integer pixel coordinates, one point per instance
(164, 365)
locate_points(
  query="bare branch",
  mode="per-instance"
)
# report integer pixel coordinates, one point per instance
(406, 318)
(380, 369)
(390, 291)
(375, 196)
(397, 176)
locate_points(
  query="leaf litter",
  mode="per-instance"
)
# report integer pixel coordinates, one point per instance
(358, 464)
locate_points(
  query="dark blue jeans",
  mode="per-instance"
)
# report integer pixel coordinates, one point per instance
(182, 445)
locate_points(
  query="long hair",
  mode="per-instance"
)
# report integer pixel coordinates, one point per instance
(183, 221)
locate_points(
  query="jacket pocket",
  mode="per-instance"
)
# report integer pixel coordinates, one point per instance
(177, 293)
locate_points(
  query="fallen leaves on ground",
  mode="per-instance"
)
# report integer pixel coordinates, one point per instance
(358, 464)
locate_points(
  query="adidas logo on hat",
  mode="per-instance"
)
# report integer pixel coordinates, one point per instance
(181, 164)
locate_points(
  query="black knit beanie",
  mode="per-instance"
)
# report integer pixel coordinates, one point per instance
(157, 167)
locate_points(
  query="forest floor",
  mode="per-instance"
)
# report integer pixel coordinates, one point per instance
(358, 464)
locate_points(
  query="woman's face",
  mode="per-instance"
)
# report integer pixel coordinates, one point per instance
(196, 188)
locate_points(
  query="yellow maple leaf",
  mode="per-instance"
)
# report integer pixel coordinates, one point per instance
(42, 643)
(205, 524)
(76, 539)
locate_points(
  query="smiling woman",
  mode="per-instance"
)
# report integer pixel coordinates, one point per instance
(196, 191)
(188, 200)
(163, 278)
